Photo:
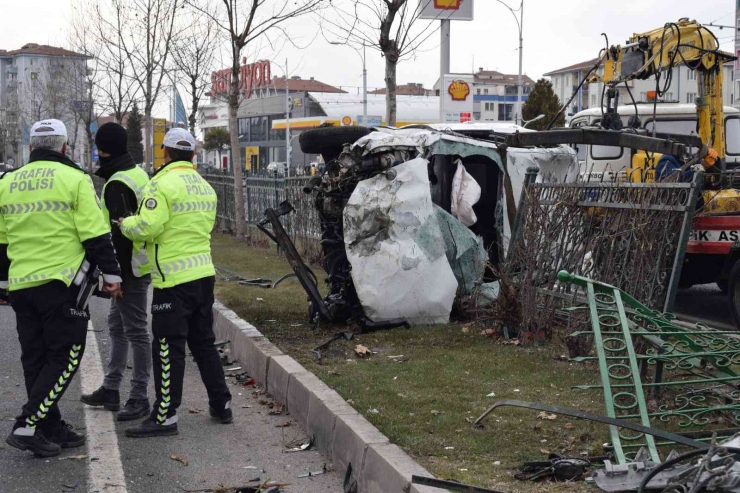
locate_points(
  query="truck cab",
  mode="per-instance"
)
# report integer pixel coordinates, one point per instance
(607, 163)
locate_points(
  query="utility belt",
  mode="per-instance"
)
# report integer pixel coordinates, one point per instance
(87, 281)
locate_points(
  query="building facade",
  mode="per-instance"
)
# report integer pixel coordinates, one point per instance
(39, 82)
(495, 94)
(259, 143)
(683, 87)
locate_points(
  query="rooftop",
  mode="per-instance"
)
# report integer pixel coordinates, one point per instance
(575, 67)
(37, 49)
(483, 76)
(298, 84)
(411, 89)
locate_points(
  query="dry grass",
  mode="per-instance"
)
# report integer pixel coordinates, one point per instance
(426, 403)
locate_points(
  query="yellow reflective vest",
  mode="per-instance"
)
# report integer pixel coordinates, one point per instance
(136, 179)
(47, 209)
(175, 218)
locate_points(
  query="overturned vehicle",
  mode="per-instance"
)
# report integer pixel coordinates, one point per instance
(412, 218)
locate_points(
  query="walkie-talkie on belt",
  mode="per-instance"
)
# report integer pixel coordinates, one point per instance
(87, 280)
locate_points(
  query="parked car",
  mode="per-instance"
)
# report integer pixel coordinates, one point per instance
(280, 168)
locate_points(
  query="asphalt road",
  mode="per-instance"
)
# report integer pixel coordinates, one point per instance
(705, 302)
(217, 455)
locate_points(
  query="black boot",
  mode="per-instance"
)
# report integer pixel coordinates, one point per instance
(61, 433)
(225, 416)
(134, 409)
(36, 442)
(150, 428)
(109, 399)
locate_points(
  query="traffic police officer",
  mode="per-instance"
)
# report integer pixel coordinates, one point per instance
(127, 320)
(51, 225)
(175, 219)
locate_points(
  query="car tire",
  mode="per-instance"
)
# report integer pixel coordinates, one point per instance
(329, 141)
(723, 285)
(733, 295)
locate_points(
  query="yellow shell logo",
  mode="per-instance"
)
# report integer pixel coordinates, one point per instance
(347, 120)
(459, 90)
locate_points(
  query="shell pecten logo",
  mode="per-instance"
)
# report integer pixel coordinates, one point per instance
(447, 4)
(459, 90)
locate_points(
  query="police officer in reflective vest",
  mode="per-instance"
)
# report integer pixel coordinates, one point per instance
(51, 229)
(175, 219)
(127, 320)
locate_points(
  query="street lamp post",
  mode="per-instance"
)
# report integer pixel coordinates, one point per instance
(520, 25)
(364, 73)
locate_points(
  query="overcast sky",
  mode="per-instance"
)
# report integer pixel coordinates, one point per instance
(557, 33)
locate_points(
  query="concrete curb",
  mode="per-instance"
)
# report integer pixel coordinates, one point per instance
(340, 432)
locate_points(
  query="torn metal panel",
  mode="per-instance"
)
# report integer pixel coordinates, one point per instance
(396, 248)
(427, 142)
(464, 251)
(556, 165)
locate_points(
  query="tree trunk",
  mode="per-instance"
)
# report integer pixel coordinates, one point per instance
(390, 91)
(148, 159)
(235, 154)
(194, 106)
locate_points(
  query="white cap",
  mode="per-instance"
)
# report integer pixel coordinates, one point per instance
(48, 127)
(176, 135)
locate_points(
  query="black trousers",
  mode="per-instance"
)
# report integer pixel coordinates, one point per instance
(52, 334)
(184, 314)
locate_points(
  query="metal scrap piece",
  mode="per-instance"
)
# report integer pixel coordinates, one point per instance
(450, 485)
(594, 417)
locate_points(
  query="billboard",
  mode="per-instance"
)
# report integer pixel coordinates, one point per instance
(369, 121)
(160, 129)
(455, 10)
(457, 98)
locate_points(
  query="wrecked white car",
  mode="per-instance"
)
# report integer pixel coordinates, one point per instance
(411, 217)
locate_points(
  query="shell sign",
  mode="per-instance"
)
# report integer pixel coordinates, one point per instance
(459, 90)
(448, 4)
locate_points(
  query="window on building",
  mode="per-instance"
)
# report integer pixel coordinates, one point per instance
(243, 127)
(485, 91)
(593, 100)
(643, 96)
(690, 97)
(691, 75)
(477, 91)
(505, 112)
(669, 96)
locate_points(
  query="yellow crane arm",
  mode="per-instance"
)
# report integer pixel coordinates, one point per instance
(681, 43)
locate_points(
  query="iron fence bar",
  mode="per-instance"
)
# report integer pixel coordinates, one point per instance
(683, 243)
(604, 373)
(636, 381)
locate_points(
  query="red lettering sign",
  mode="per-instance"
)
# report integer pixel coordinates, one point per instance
(251, 76)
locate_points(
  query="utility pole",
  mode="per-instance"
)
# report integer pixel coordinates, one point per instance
(444, 63)
(520, 25)
(519, 118)
(364, 82)
(287, 119)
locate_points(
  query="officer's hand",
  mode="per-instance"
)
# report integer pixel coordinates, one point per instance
(113, 289)
(120, 220)
(4, 300)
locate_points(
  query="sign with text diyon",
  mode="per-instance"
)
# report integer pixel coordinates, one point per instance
(442, 10)
(369, 121)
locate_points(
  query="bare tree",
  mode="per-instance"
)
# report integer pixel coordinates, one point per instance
(392, 27)
(84, 80)
(245, 21)
(116, 86)
(193, 54)
(147, 39)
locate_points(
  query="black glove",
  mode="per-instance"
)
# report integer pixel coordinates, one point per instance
(4, 299)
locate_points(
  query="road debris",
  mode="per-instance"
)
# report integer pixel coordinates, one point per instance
(179, 459)
(545, 415)
(235, 368)
(339, 335)
(449, 485)
(310, 474)
(193, 410)
(74, 457)
(362, 351)
(556, 468)
(300, 445)
(283, 425)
